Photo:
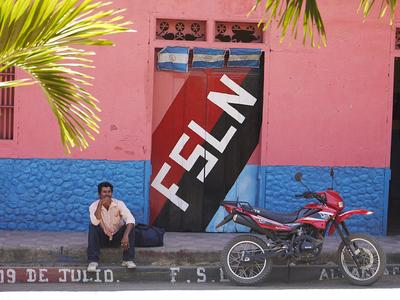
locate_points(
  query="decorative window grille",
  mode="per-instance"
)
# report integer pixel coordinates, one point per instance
(7, 106)
(397, 43)
(237, 32)
(180, 30)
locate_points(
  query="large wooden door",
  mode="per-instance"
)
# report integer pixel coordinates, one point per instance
(202, 142)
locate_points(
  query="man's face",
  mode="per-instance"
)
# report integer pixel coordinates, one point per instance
(106, 193)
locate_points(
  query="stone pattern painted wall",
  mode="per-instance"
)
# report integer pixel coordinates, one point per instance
(44, 194)
(360, 188)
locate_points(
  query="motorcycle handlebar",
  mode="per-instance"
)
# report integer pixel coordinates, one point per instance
(309, 195)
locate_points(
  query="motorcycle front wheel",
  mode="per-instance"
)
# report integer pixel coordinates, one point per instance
(244, 261)
(370, 257)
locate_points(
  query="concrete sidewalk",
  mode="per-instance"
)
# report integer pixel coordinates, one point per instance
(180, 249)
(183, 253)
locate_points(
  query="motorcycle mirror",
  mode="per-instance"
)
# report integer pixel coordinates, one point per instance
(298, 176)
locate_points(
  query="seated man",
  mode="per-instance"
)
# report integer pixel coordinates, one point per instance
(111, 224)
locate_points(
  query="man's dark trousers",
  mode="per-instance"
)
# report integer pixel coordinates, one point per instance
(98, 239)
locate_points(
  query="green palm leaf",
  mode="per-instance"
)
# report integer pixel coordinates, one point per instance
(288, 12)
(41, 37)
(366, 5)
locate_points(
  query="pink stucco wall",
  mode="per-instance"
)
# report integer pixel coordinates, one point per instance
(329, 106)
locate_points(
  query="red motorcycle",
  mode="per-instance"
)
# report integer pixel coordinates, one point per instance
(299, 236)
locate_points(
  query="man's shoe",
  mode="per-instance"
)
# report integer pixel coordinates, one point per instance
(92, 266)
(129, 264)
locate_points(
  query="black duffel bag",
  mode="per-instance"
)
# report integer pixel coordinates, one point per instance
(149, 236)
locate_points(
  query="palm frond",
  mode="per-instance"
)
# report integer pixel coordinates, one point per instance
(43, 38)
(15, 83)
(366, 5)
(288, 13)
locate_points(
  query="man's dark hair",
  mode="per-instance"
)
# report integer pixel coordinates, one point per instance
(104, 184)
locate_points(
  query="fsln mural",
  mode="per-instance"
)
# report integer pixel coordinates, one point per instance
(202, 144)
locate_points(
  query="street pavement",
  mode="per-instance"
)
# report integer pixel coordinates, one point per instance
(387, 282)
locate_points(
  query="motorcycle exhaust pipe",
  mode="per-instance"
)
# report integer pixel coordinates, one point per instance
(248, 222)
(225, 220)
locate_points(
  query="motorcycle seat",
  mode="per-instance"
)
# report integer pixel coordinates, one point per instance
(282, 218)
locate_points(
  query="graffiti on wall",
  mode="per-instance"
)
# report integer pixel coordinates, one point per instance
(172, 275)
(76, 275)
(202, 144)
(57, 275)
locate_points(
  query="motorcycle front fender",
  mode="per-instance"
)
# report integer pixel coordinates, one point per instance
(344, 216)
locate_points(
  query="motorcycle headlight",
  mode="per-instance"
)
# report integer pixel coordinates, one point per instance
(340, 204)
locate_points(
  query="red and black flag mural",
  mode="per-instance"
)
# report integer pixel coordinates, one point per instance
(202, 144)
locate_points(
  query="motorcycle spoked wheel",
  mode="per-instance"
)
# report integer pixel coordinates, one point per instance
(239, 265)
(371, 257)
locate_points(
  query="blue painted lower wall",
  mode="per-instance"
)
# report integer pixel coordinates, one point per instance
(359, 187)
(274, 187)
(54, 194)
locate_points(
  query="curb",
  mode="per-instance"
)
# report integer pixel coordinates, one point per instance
(77, 256)
(190, 275)
(144, 256)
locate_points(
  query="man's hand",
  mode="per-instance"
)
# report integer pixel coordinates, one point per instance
(125, 238)
(104, 201)
(125, 242)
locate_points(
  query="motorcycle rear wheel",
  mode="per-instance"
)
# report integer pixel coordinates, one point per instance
(244, 262)
(370, 255)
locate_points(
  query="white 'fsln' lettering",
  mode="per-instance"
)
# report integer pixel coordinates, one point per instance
(222, 100)
(219, 145)
(170, 193)
(187, 164)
